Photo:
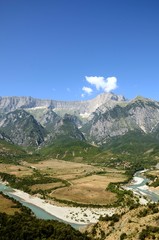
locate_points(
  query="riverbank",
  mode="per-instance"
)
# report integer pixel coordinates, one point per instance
(139, 186)
(77, 215)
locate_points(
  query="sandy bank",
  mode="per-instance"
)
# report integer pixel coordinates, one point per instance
(78, 215)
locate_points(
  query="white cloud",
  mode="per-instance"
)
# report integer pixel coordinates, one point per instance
(97, 81)
(111, 84)
(106, 84)
(87, 90)
(82, 95)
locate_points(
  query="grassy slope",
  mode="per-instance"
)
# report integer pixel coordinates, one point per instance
(135, 147)
(10, 153)
(70, 150)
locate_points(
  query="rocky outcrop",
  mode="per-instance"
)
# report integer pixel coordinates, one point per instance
(65, 130)
(8, 104)
(138, 114)
(46, 117)
(22, 128)
(3, 136)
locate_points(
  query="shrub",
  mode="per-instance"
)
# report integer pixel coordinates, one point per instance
(123, 236)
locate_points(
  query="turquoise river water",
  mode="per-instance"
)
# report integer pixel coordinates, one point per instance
(39, 212)
(142, 189)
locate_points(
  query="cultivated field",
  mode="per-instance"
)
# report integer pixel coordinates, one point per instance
(77, 182)
(63, 169)
(89, 190)
(18, 170)
(46, 186)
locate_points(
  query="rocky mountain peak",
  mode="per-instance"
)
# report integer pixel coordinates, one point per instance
(8, 104)
(106, 116)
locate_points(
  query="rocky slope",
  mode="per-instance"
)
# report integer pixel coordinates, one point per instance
(84, 108)
(139, 223)
(22, 128)
(33, 122)
(65, 129)
(138, 114)
(107, 116)
(4, 137)
(46, 117)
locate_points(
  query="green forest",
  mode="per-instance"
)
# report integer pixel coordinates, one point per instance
(22, 226)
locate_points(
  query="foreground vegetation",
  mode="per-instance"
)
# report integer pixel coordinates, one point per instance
(26, 227)
(22, 225)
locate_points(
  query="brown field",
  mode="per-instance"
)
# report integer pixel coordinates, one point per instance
(86, 186)
(19, 171)
(64, 169)
(89, 190)
(46, 186)
(7, 206)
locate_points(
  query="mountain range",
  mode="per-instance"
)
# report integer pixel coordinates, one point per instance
(31, 122)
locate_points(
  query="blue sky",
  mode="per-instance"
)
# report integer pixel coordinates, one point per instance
(76, 49)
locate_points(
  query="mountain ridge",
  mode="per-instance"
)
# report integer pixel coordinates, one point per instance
(13, 103)
(137, 114)
(106, 116)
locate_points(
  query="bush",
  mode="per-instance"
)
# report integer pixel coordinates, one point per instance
(113, 218)
(123, 236)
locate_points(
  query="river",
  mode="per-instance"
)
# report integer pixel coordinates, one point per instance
(138, 185)
(39, 212)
